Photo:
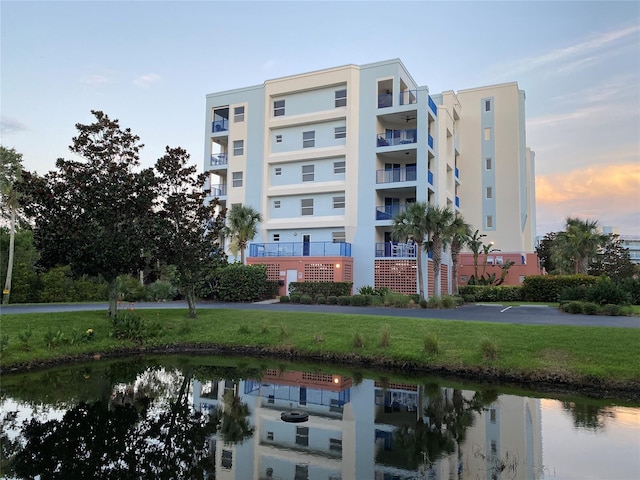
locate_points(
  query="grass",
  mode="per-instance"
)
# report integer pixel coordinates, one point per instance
(604, 354)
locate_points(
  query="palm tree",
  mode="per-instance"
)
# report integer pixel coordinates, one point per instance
(459, 235)
(242, 226)
(438, 222)
(412, 223)
(475, 244)
(10, 171)
(580, 242)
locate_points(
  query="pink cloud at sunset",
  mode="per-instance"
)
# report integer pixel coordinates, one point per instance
(608, 194)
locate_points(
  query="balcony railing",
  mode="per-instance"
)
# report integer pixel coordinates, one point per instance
(385, 100)
(221, 125)
(396, 137)
(300, 249)
(387, 212)
(219, 190)
(408, 97)
(457, 202)
(402, 174)
(219, 159)
(457, 173)
(430, 177)
(430, 140)
(433, 106)
(397, 249)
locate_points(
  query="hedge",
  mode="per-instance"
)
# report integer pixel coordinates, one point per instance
(489, 293)
(326, 289)
(547, 288)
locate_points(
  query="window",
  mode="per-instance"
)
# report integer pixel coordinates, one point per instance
(339, 167)
(237, 179)
(276, 204)
(308, 173)
(499, 260)
(338, 202)
(278, 108)
(487, 105)
(306, 205)
(487, 163)
(340, 132)
(494, 447)
(227, 459)
(487, 133)
(238, 147)
(493, 415)
(278, 171)
(278, 138)
(238, 114)
(335, 444)
(341, 98)
(489, 192)
(269, 435)
(308, 139)
(276, 238)
(489, 221)
(338, 237)
(302, 436)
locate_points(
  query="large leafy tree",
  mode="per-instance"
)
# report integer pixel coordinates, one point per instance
(613, 260)
(578, 244)
(412, 223)
(438, 223)
(96, 214)
(190, 227)
(544, 250)
(10, 174)
(241, 228)
(458, 234)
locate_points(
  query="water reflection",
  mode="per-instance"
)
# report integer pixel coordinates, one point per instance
(200, 418)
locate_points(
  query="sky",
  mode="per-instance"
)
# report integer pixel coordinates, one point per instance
(150, 64)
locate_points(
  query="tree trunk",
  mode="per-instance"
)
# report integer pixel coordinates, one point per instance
(419, 262)
(12, 243)
(455, 259)
(191, 301)
(437, 263)
(113, 298)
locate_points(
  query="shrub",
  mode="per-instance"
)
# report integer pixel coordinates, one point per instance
(423, 303)
(332, 300)
(590, 308)
(434, 302)
(285, 299)
(314, 289)
(611, 310)
(632, 287)
(574, 292)
(572, 307)
(489, 349)
(448, 301)
(375, 300)
(161, 290)
(366, 290)
(295, 298)
(271, 289)
(358, 300)
(396, 300)
(54, 339)
(344, 300)
(469, 298)
(415, 297)
(358, 341)
(131, 326)
(306, 299)
(242, 283)
(320, 300)
(547, 288)
(606, 292)
(459, 300)
(24, 338)
(431, 344)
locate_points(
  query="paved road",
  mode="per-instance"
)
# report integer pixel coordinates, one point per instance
(524, 315)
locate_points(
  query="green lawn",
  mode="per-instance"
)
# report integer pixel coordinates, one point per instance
(566, 353)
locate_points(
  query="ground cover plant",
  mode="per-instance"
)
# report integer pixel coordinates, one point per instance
(596, 356)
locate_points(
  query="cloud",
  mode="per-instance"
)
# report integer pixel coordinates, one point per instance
(556, 118)
(571, 57)
(95, 80)
(145, 81)
(269, 64)
(606, 193)
(9, 126)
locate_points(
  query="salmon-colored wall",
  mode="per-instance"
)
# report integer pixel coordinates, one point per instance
(341, 269)
(515, 275)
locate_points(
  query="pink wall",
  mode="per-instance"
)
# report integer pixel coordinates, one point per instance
(515, 274)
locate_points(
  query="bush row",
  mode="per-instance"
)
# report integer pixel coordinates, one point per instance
(325, 289)
(488, 293)
(391, 299)
(547, 288)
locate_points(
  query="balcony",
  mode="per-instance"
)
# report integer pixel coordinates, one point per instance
(385, 100)
(430, 177)
(395, 250)
(457, 201)
(457, 173)
(409, 97)
(300, 249)
(388, 212)
(220, 125)
(430, 140)
(393, 175)
(433, 106)
(396, 137)
(219, 190)
(219, 159)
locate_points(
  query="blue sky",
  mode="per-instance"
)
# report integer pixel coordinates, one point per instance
(150, 64)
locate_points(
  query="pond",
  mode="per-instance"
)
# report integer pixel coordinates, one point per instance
(222, 418)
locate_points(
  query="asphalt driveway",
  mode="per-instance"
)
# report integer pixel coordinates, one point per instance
(524, 315)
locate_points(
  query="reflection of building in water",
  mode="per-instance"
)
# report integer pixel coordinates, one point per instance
(374, 431)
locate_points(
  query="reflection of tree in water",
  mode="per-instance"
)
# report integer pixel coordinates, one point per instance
(441, 426)
(588, 416)
(136, 439)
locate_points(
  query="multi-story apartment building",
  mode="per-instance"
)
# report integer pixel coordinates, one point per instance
(330, 157)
